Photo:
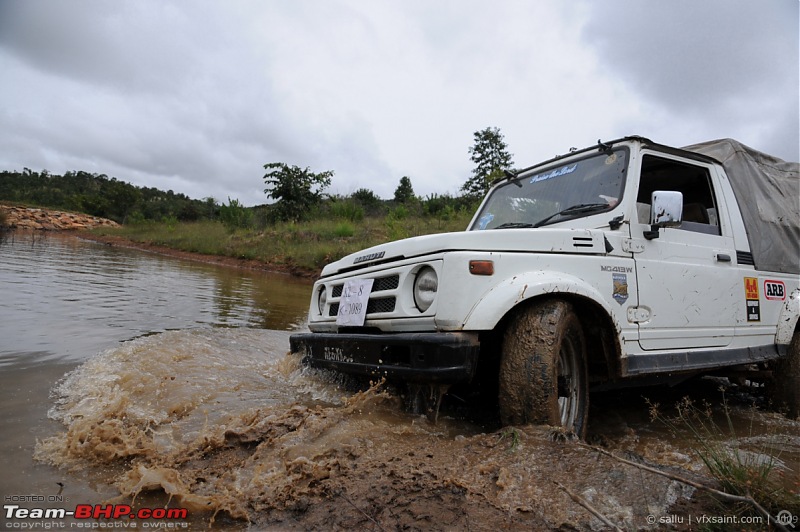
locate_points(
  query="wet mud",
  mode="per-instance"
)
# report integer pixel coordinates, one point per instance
(227, 424)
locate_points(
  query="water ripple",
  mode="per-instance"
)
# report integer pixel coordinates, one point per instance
(73, 298)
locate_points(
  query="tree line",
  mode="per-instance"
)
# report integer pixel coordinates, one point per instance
(298, 193)
(100, 195)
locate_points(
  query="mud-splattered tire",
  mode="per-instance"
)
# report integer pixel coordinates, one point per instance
(543, 376)
(786, 380)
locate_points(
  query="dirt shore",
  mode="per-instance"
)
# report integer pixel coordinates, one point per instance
(79, 225)
(40, 219)
(230, 262)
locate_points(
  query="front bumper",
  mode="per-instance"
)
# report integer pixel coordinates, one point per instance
(446, 358)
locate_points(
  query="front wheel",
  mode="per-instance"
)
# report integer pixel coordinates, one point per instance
(543, 376)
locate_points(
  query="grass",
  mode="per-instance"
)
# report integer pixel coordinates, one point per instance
(305, 246)
(738, 472)
(512, 435)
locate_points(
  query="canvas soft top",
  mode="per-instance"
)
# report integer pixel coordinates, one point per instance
(767, 190)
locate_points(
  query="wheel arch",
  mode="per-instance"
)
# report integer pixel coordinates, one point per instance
(602, 334)
(789, 319)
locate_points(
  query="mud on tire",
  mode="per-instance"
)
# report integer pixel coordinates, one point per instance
(543, 376)
(785, 385)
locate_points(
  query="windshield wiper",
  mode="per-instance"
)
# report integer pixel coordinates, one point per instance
(514, 225)
(574, 209)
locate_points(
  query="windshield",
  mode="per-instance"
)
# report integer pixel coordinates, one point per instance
(558, 193)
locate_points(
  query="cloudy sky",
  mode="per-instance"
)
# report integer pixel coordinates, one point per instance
(197, 96)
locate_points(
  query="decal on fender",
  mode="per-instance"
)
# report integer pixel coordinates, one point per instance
(620, 293)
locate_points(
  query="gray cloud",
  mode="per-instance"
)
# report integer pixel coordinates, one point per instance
(731, 65)
(197, 96)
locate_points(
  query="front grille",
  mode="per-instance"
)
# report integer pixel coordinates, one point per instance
(379, 285)
(383, 304)
(377, 305)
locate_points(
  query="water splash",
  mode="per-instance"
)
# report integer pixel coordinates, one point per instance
(228, 425)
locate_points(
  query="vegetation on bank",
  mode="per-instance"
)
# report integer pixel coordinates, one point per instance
(751, 480)
(298, 246)
(302, 242)
(302, 229)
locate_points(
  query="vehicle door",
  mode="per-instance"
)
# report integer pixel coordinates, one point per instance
(688, 284)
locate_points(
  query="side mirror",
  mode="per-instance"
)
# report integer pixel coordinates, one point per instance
(666, 211)
(667, 208)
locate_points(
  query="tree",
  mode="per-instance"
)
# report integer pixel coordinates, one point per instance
(210, 207)
(295, 189)
(490, 155)
(404, 192)
(367, 199)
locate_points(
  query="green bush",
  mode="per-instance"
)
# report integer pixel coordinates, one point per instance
(347, 210)
(170, 221)
(398, 213)
(135, 218)
(235, 215)
(344, 230)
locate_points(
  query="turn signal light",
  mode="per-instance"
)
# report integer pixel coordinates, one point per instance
(481, 267)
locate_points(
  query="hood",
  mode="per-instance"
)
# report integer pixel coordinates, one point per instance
(542, 240)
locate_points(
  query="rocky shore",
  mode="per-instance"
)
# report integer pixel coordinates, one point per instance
(49, 220)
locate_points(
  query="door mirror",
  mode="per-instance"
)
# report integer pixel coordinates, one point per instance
(667, 208)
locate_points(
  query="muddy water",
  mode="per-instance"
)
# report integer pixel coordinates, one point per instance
(180, 392)
(64, 301)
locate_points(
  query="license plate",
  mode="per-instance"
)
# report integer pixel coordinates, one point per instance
(353, 304)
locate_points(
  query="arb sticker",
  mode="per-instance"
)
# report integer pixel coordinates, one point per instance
(775, 290)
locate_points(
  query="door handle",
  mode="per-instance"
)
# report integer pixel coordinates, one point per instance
(723, 257)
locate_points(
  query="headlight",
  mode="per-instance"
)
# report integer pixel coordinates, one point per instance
(322, 298)
(425, 286)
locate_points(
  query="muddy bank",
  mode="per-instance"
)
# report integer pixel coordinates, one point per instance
(204, 420)
(50, 220)
(79, 225)
(232, 262)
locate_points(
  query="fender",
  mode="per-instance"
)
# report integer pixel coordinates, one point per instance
(787, 321)
(503, 297)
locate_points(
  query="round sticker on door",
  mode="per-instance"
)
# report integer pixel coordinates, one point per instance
(775, 290)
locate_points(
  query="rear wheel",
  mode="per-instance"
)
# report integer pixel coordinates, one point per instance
(785, 383)
(543, 376)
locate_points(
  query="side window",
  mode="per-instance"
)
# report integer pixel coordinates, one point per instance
(699, 205)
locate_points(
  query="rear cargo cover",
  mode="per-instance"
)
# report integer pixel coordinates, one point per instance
(768, 192)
